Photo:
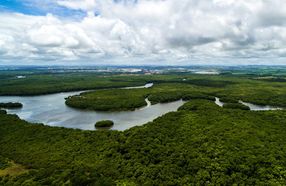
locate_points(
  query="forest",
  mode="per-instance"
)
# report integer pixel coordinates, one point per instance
(104, 124)
(228, 88)
(258, 87)
(200, 144)
(11, 105)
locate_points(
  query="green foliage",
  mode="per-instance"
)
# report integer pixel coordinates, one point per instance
(109, 100)
(45, 83)
(236, 106)
(4, 163)
(104, 123)
(195, 95)
(206, 145)
(228, 100)
(164, 97)
(3, 111)
(200, 144)
(130, 99)
(198, 104)
(230, 90)
(11, 105)
(249, 88)
(210, 83)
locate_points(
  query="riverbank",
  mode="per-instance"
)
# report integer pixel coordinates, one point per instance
(183, 147)
(52, 110)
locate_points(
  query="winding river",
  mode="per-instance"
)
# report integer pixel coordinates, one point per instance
(52, 110)
(252, 106)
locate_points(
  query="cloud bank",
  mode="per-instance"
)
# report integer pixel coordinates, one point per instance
(170, 30)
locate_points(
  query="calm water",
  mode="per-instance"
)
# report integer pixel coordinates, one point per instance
(260, 107)
(251, 106)
(51, 110)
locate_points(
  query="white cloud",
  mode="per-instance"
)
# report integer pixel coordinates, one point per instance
(85, 5)
(165, 29)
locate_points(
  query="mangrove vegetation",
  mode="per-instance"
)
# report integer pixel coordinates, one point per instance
(200, 144)
(11, 105)
(104, 124)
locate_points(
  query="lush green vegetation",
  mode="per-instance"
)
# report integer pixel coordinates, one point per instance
(109, 100)
(199, 104)
(178, 93)
(104, 124)
(209, 82)
(130, 99)
(3, 111)
(195, 95)
(35, 84)
(261, 86)
(201, 144)
(163, 97)
(12, 169)
(3, 163)
(229, 88)
(11, 105)
(228, 100)
(236, 106)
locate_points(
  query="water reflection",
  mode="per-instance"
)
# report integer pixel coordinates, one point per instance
(252, 106)
(52, 110)
(259, 107)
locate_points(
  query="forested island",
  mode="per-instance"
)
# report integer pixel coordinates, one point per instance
(11, 105)
(104, 124)
(200, 144)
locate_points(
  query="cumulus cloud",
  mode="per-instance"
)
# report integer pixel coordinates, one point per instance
(165, 29)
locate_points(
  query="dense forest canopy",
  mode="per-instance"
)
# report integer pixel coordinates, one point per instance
(200, 144)
(11, 105)
(104, 124)
(229, 89)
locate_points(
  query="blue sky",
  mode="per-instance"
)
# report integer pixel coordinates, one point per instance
(13, 5)
(142, 32)
(38, 8)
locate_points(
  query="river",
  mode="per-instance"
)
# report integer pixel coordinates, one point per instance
(51, 110)
(252, 106)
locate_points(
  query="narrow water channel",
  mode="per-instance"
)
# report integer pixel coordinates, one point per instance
(252, 106)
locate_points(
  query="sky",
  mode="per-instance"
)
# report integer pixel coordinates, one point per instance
(142, 32)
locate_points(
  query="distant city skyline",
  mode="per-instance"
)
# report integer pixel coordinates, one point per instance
(142, 32)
